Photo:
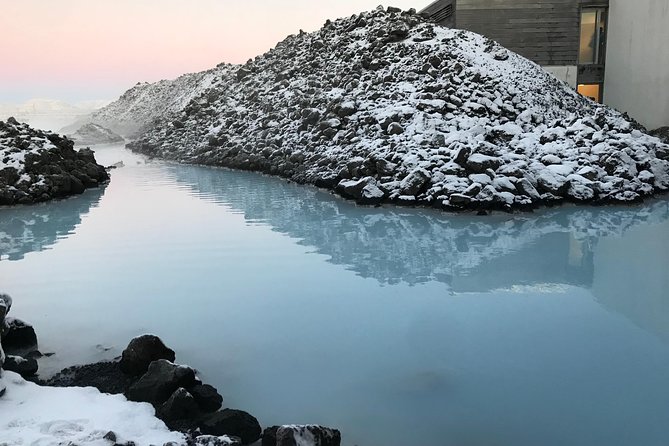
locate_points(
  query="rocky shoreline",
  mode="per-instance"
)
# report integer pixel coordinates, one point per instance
(37, 166)
(386, 107)
(147, 373)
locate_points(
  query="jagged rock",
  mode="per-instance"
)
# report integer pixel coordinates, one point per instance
(354, 188)
(142, 351)
(414, 182)
(481, 163)
(232, 422)
(160, 381)
(207, 397)
(269, 436)
(180, 405)
(307, 435)
(24, 367)
(210, 440)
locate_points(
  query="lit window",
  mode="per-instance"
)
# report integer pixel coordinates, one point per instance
(592, 91)
(593, 36)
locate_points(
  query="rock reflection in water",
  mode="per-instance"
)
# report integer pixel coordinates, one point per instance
(26, 229)
(395, 245)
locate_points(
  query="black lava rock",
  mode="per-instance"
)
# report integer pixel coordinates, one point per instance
(160, 381)
(269, 436)
(207, 397)
(107, 377)
(232, 422)
(18, 335)
(180, 406)
(142, 351)
(22, 366)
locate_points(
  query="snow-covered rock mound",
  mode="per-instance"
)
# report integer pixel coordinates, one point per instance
(89, 134)
(384, 106)
(38, 166)
(145, 102)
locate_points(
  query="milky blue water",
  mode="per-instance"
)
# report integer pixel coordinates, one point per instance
(398, 326)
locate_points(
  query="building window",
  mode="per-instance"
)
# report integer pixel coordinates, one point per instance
(593, 36)
(592, 91)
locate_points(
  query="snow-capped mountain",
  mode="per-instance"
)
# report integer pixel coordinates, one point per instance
(49, 114)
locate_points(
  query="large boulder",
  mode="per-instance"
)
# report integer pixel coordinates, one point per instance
(232, 422)
(25, 367)
(180, 406)
(206, 397)
(160, 381)
(142, 351)
(18, 335)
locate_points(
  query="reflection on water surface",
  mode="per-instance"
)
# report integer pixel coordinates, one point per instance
(549, 328)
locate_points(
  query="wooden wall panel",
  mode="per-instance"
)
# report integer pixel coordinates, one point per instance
(546, 31)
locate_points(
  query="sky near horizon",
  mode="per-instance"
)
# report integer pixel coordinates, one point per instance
(75, 50)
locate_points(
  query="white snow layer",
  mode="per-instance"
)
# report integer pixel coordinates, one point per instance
(45, 416)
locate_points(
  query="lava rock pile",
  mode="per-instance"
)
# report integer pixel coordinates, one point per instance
(38, 166)
(385, 106)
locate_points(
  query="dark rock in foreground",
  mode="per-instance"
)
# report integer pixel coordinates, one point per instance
(232, 422)
(180, 406)
(211, 440)
(180, 399)
(207, 397)
(160, 381)
(142, 351)
(38, 166)
(107, 377)
(18, 336)
(306, 435)
(26, 367)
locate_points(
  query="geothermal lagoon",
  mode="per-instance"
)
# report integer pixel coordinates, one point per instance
(397, 326)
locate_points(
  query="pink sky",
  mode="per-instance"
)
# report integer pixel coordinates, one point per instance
(96, 49)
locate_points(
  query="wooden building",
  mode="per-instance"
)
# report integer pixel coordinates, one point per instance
(614, 51)
(567, 37)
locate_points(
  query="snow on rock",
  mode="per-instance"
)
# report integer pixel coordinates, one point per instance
(414, 106)
(145, 102)
(31, 414)
(301, 435)
(38, 166)
(95, 134)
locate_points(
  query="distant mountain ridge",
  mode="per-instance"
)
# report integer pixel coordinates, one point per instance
(49, 114)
